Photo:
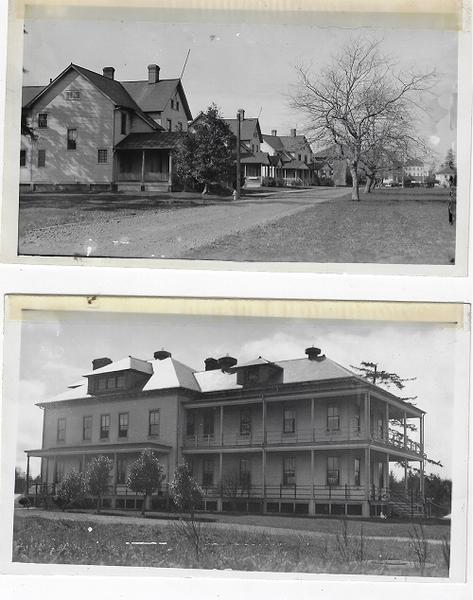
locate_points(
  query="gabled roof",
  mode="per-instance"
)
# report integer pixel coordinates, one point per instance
(153, 97)
(170, 373)
(257, 362)
(29, 92)
(156, 140)
(296, 164)
(247, 128)
(294, 143)
(273, 141)
(125, 364)
(259, 158)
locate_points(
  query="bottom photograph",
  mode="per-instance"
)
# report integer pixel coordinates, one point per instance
(320, 444)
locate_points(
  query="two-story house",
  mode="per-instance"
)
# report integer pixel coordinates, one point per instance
(86, 130)
(295, 154)
(304, 436)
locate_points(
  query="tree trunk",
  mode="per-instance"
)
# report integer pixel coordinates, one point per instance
(355, 192)
(372, 185)
(368, 184)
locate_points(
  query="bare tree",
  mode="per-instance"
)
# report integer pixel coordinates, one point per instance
(354, 97)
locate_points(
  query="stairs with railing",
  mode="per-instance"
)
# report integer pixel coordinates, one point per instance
(408, 505)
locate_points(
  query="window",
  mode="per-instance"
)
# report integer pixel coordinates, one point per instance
(87, 428)
(121, 470)
(102, 156)
(42, 120)
(208, 473)
(333, 473)
(61, 429)
(102, 384)
(123, 123)
(58, 476)
(356, 470)
(120, 381)
(251, 375)
(123, 425)
(299, 157)
(72, 95)
(380, 428)
(289, 420)
(153, 422)
(104, 427)
(22, 158)
(177, 104)
(172, 103)
(289, 470)
(179, 126)
(245, 421)
(190, 422)
(244, 473)
(209, 422)
(169, 124)
(71, 139)
(333, 418)
(41, 158)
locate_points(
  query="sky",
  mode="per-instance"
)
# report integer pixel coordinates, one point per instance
(58, 348)
(236, 65)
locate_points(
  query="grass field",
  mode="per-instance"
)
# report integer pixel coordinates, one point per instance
(389, 226)
(347, 549)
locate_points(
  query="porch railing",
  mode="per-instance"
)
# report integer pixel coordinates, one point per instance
(298, 492)
(398, 440)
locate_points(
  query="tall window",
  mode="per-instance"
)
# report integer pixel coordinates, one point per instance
(61, 430)
(209, 422)
(245, 421)
(153, 428)
(177, 104)
(333, 418)
(42, 120)
(121, 470)
(244, 473)
(333, 471)
(169, 124)
(87, 428)
(289, 470)
(72, 139)
(104, 427)
(208, 473)
(123, 425)
(172, 103)
(102, 156)
(190, 422)
(356, 471)
(289, 420)
(123, 122)
(380, 428)
(41, 158)
(22, 158)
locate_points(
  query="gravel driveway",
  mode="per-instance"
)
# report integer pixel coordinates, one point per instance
(164, 232)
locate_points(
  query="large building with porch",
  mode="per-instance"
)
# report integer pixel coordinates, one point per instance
(86, 130)
(304, 436)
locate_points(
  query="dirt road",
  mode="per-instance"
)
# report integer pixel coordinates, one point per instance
(159, 232)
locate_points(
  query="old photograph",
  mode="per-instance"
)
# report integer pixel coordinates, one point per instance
(238, 141)
(243, 443)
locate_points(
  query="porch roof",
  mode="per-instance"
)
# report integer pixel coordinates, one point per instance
(100, 448)
(157, 140)
(258, 158)
(296, 164)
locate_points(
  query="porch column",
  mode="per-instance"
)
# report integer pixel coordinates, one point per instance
(142, 166)
(170, 170)
(367, 415)
(220, 471)
(54, 470)
(312, 482)
(386, 473)
(422, 487)
(114, 481)
(221, 425)
(367, 473)
(405, 475)
(263, 477)
(404, 422)
(312, 418)
(264, 420)
(386, 433)
(27, 485)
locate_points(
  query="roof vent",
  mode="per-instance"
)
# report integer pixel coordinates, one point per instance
(109, 72)
(211, 364)
(161, 354)
(98, 363)
(226, 363)
(313, 353)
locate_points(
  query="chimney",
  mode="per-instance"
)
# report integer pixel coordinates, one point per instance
(211, 364)
(226, 363)
(98, 363)
(293, 132)
(274, 132)
(314, 353)
(241, 112)
(153, 73)
(109, 72)
(161, 354)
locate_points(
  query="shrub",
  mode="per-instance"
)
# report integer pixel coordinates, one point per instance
(70, 489)
(146, 474)
(97, 478)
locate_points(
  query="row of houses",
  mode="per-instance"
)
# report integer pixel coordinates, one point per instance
(86, 129)
(304, 436)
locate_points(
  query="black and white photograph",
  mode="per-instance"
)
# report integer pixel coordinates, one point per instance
(308, 445)
(144, 136)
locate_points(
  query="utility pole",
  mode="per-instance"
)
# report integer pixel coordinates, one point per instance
(238, 157)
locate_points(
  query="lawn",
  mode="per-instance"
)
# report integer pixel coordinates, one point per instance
(346, 550)
(390, 226)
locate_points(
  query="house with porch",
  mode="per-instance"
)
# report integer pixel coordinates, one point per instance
(304, 436)
(295, 155)
(86, 130)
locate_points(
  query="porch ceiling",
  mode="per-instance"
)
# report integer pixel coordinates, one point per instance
(99, 448)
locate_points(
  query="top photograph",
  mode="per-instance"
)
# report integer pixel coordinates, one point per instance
(250, 142)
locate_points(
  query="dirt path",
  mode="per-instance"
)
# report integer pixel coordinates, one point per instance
(165, 233)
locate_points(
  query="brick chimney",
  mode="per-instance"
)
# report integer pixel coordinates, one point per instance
(153, 73)
(293, 132)
(211, 364)
(161, 354)
(109, 72)
(314, 353)
(241, 111)
(98, 363)
(274, 132)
